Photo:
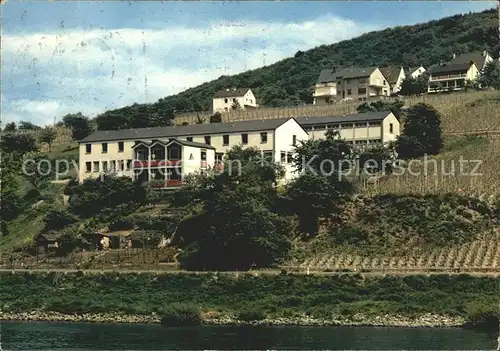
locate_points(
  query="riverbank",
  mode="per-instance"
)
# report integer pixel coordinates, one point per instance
(218, 299)
(423, 321)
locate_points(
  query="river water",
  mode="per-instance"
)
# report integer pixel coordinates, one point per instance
(87, 336)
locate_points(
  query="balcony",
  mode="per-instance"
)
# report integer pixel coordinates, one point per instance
(377, 83)
(445, 77)
(159, 184)
(156, 163)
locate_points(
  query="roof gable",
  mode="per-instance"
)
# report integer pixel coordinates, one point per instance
(477, 57)
(391, 73)
(224, 93)
(457, 67)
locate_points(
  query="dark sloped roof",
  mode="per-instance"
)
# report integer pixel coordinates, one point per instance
(329, 75)
(167, 141)
(326, 76)
(48, 237)
(391, 73)
(476, 57)
(457, 67)
(354, 72)
(357, 117)
(231, 92)
(177, 131)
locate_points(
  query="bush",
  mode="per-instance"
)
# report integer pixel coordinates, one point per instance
(181, 315)
(58, 219)
(483, 318)
(121, 223)
(250, 314)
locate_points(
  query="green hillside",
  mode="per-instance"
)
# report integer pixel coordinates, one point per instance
(288, 82)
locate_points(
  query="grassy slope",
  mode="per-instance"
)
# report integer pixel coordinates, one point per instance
(276, 295)
(288, 81)
(28, 225)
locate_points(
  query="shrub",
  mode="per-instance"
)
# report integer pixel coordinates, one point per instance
(181, 315)
(251, 314)
(483, 318)
(57, 219)
(121, 223)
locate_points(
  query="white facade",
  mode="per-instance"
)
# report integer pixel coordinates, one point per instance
(356, 131)
(225, 103)
(122, 155)
(418, 72)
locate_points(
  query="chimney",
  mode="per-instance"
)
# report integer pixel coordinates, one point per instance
(441, 62)
(484, 53)
(334, 69)
(454, 56)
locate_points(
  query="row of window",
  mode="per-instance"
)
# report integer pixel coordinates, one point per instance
(105, 166)
(236, 100)
(208, 141)
(343, 125)
(104, 147)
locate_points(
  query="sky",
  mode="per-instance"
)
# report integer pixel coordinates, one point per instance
(67, 57)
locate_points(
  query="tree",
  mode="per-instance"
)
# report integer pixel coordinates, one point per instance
(490, 77)
(199, 120)
(24, 125)
(48, 135)
(322, 186)
(79, 125)
(421, 133)
(415, 86)
(216, 118)
(235, 225)
(394, 107)
(20, 144)
(10, 127)
(376, 159)
(236, 106)
(58, 219)
(11, 203)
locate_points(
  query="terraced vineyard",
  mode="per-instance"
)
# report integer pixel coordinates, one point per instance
(480, 255)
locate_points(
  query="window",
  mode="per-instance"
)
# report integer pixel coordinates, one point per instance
(360, 124)
(207, 140)
(225, 100)
(189, 138)
(361, 91)
(219, 156)
(104, 166)
(251, 101)
(225, 139)
(374, 123)
(129, 165)
(294, 140)
(346, 125)
(174, 173)
(88, 167)
(203, 155)
(174, 152)
(348, 91)
(332, 126)
(283, 156)
(385, 91)
(348, 81)
(120, 146)
(88, 148)
(234, 100)
(263, 137)
(308, 128)
(244, 139)
(121, 165)
(96, 166)
(112, 166)
(391, 128)
(225, 109)
(104, 148)
(384, 82)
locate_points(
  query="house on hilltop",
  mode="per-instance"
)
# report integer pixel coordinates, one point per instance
(227, 99)
(453, 75)
(354, 83)
(395, 76)
(414, 72)
(479, 58)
